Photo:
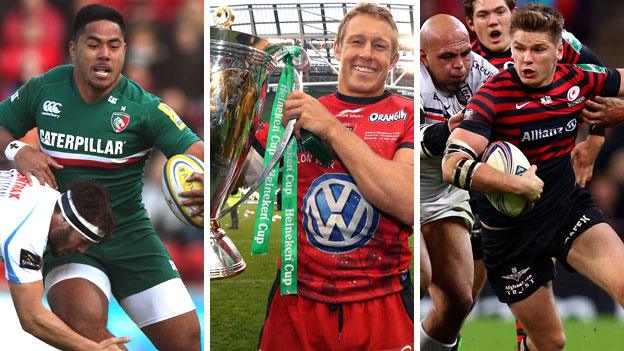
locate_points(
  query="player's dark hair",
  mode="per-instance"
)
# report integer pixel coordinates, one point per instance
(469, 7)
(538, 18)
(96, 12)
(92, 202)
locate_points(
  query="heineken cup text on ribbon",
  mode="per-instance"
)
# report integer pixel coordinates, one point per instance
(264, 213)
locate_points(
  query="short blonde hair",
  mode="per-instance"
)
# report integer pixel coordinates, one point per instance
(366, 8)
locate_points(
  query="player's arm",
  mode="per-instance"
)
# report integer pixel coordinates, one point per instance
(461, 169)
(45, 325)
(387, 184)
(196, 149)
(195, 197)
(28, 160)
(171, 135)
(585, 153)
(606, 111)
(16, 119)
(433, 137)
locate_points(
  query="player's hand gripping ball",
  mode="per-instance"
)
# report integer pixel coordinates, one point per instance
(177, 169)
(507, 158)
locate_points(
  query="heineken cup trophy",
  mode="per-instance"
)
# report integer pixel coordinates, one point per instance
(239, 67)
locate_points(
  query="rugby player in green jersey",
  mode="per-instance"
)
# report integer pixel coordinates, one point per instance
(95, 123)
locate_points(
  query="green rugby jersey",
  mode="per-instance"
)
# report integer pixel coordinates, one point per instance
(108, 140)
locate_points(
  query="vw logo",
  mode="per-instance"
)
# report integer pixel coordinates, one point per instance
(336, 217)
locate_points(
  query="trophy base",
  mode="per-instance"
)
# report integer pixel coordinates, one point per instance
(224, 259)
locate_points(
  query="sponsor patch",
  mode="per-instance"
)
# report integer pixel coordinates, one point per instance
(546, 100)
(336, 217)
(387, 117)
(119, 121)
(29, 260)
(172, 115)
(354, 113)
(51, 108)
(521, 280)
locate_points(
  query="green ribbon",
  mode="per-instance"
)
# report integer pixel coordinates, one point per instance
(288, 273)
(264, 212)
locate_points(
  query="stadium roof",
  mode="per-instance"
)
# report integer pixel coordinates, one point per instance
(313, 25)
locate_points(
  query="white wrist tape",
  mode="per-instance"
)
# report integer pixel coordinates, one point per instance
(13, 148)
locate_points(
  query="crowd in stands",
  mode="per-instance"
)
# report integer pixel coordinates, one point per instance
(165, 56)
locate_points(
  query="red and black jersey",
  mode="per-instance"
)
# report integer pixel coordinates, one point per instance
(542, 122)
(348, 249)
(573, 52)
(500, 60)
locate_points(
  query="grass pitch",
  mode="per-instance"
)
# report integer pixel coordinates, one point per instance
(238, 305)
(496, 334)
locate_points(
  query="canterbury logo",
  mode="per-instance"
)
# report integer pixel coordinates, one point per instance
(52, 108)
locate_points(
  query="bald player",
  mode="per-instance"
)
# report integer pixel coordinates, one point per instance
(450, 74)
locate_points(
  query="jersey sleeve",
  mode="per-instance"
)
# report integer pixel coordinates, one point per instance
(480, 112)
(612, 83)
(17, 112)
(571, 48)
(168, 132)
(576, 52)
(22, 265)
(407, 138)
(600, 80)
(23, 249)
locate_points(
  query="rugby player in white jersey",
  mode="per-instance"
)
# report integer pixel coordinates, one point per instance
(36, 218)
(450, 74)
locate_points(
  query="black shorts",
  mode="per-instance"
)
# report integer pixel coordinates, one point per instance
(475, 239)
(514, 275)
(475, 231)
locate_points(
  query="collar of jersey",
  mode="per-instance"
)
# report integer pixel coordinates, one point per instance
(362, 100)
(490, 53)
(123, 81)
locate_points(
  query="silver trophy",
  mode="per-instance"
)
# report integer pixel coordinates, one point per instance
(239, 67)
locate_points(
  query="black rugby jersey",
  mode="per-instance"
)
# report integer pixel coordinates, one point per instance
(542, 122)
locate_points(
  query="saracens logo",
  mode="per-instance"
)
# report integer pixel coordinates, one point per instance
(573, 93)
(119, 121)
(336, 217)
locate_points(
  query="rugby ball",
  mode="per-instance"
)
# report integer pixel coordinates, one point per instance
(507, 158)
(177, 169)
